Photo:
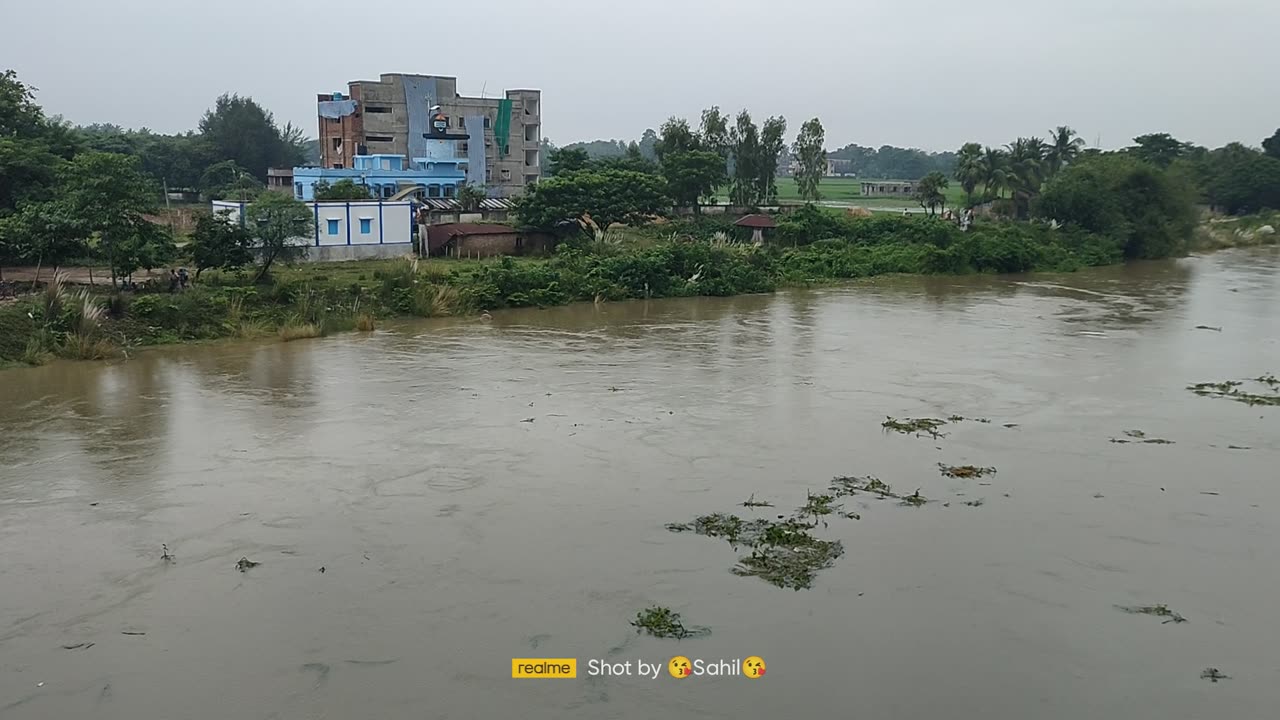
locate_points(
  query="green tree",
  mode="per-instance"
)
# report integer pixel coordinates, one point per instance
(693, 175)
(675, 136)
(344, 189)
(226, 180)
(1147, 210)
(608, 196)
(278, 222)
(219, 243)
(970, 170)
(1240, 179)
(32, 147)
(239, 129)
(714, 131)
(106, 196)
(995, 172)
(567, 160)
(1159, 149)
(1024, 172)
(1271, 146)
(43, 233)
(649, 144)
(811, 157)
(470, 196)
(633, 159)
(744, 140)
(773, 143)
(929, 191)
(1064, 147)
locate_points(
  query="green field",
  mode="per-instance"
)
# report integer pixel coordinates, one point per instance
(849, 191)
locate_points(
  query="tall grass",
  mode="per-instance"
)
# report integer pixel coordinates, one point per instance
(299, 330)
(53, 298)
(83, 340)
(436, 301)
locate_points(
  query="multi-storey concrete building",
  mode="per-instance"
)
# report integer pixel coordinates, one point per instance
(394, 115)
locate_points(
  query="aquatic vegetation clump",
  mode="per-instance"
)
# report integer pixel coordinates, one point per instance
(915, 499)
(1156, 610)
(817, 506)
(1234, 390)
(729, 527)
(751, 502)
(790, 566)
(1138, 436)
(914, 426)
(1214, 674)
(845, 486)
(663, 622)
(965, 471)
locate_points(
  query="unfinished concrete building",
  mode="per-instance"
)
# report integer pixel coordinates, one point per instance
(393, 115)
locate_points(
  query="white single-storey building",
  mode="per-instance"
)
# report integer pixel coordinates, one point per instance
(353, 230)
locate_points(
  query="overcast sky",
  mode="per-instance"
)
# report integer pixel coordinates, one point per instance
(922, 73)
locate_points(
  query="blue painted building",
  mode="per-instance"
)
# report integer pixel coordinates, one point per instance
(436, 174)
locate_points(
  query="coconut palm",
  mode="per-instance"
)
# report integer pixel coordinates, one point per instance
(969, 168)
(1025, 172)
(994, 164)
(1064, 147)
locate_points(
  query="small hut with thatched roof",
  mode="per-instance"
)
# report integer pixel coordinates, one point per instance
(758, 224)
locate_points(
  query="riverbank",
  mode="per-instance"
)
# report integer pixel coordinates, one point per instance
(317, 299)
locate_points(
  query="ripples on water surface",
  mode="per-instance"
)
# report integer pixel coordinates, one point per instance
(456, 536)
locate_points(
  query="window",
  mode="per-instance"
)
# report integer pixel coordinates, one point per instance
(378, 138)
(448, 191)
(337, 143)
(433, 191)
(366, 225)
(386, 163)
(297, 190)
(377, 109)
(333, 227)
(463, 148)
(486, 122)
(337, 166)
(506, 173)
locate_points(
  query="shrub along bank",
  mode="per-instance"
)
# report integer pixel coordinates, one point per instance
(811, 246)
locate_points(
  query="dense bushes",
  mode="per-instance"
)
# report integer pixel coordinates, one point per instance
(1148, 210)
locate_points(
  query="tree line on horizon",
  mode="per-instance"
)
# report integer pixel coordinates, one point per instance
(1234, 178)
(680, 164)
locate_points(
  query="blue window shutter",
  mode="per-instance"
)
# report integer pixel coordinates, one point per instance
(365, 226)
(333, 227)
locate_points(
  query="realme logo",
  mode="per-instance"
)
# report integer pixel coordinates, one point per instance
(544, 667)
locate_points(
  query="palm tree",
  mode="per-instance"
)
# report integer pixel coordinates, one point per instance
(969, 168)
(1025, 172)
(1064, 148)
(994, 163)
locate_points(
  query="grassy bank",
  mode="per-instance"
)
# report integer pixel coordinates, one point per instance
(672, 260)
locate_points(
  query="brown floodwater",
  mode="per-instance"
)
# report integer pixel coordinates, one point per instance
(483, 490)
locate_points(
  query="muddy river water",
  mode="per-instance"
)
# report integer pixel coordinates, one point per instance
(477, 491)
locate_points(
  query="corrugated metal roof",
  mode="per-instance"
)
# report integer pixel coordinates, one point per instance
(452, 205)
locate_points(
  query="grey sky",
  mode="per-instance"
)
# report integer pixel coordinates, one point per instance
(923, 73)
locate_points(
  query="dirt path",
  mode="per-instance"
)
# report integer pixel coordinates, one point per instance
(76, 275)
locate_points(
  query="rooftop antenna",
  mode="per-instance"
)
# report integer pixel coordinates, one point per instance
(482, 88)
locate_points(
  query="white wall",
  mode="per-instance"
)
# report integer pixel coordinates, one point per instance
(340, 223)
